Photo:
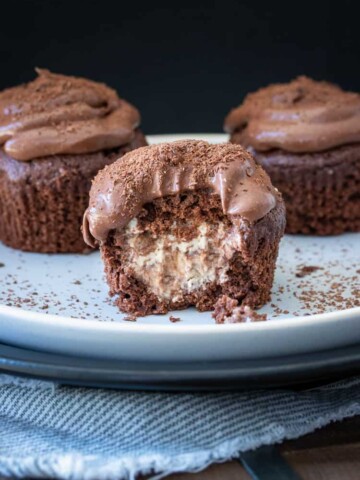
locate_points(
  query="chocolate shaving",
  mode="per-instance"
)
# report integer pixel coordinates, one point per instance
(306, 270)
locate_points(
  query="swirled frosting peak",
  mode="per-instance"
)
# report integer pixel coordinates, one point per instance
(301, 116)
(58, 114)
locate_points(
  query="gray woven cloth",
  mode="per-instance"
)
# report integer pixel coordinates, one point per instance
(78, 433)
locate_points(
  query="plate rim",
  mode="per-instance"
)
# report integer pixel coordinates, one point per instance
(67, 322)
(158, 329)
(194, 376)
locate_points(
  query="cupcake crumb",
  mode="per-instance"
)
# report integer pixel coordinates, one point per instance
(228, 310)
(306, 270)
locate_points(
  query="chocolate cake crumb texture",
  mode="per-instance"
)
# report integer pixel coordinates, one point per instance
(35, 217)
(228, 310)
(174, 319)
(49, 284)
(167, 169)
(56, 133)
(204, 219)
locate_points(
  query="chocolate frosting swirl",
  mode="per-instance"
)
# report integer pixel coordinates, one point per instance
(57, 114)
(300, 116)
(120, 190)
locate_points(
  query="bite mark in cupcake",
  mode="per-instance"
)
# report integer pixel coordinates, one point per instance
(182, 223)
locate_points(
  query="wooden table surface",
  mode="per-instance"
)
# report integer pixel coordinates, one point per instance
(331, 453)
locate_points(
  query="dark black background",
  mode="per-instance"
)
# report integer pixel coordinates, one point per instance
(183, 64)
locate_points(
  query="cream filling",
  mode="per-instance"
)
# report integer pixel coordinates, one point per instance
(169, 267)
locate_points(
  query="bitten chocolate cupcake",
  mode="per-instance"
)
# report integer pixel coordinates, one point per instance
(56, 133)
(306, 135)
(184, 223)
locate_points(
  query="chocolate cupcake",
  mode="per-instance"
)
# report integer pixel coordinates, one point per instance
(56, 133)
(306, 135)
(184, 223)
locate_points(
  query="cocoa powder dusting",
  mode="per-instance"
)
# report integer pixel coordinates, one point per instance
(335, 286)
(172, 168)
(57, 114)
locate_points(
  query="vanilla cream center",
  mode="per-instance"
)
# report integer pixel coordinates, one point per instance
(170, 267)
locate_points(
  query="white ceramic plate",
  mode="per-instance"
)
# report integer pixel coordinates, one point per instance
(59, 303)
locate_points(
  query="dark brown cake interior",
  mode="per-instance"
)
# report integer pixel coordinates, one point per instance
(247, 267)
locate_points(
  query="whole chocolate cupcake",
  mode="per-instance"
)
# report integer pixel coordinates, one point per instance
(56, 133)
(184, 223)
(306, 135)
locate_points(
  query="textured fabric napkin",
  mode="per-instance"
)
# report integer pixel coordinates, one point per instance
(78, 433)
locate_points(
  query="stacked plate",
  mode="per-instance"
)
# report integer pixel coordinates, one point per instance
(56, 322)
